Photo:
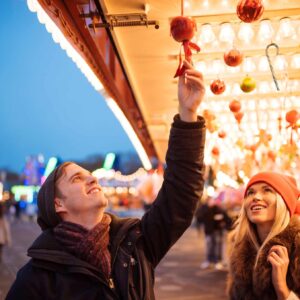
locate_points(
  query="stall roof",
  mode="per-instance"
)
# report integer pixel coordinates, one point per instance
(136, 65)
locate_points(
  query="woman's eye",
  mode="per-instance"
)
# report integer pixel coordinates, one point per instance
(250, 192)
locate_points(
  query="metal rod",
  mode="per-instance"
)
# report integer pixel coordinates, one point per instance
(125, 24)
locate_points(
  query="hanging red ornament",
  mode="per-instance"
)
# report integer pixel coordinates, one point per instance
(183, 30)
(218, 87)
(221, 134)
(239, 116)
(235, 106)
(233, 57)
(292, 116)
(272, 155)
(215, 151)
(250, 10)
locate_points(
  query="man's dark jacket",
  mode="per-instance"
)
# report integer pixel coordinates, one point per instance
(136, 246)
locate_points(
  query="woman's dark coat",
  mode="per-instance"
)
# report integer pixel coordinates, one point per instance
(136, 246)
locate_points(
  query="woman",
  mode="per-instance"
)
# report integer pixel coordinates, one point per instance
(265, 257)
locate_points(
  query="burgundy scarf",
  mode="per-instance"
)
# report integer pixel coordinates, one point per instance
(88, 245)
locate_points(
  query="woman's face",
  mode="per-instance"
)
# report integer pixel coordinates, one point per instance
(260, 204)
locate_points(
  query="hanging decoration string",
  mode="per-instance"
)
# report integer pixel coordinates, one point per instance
(182, 7)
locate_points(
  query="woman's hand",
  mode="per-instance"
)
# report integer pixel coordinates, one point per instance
(191, 92)
(279, 259)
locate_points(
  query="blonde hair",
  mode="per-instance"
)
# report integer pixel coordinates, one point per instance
(245, 229)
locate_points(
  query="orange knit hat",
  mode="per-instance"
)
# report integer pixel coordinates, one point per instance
(284, 185)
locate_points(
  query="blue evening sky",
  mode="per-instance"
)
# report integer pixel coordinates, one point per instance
(46, 104)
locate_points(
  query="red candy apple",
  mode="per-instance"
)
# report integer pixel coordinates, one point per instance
(182, 30)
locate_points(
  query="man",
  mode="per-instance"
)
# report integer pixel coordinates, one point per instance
(215, 220)
(85, 253)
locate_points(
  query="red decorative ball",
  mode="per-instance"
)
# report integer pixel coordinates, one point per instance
(183, 28)
(218, 86)
(222, 134)
(249, 10)
(233, 57)
(292, 116)
(235, 106)
(272, 155)
(215, 151)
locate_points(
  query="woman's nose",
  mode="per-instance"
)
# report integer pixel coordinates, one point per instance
(257, 196)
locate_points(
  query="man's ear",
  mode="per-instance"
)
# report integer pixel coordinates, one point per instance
(59, 205)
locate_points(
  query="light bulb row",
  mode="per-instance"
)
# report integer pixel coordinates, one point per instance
(262, 87)
(267, 30)
(250, 64)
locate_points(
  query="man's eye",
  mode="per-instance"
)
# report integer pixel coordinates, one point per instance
(76, 178)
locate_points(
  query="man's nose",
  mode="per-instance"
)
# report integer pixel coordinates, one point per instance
(92, 179)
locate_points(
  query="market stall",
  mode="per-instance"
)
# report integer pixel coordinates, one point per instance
(251, 65)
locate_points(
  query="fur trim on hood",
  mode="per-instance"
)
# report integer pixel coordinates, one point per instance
(245, 283)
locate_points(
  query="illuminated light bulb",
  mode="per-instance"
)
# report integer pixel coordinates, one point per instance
(264, 87)
(253, 126)
(286, 29)
(280, 63)
(294, 85)
(236, 90)
(206, 3)
(224, 2)
(295, 62)
(187, 4)
(248, 65)
(223, 118)
(200, 66)
(233, 70)
(227, 90)
(252, 116)
(226, 34)
(217, 66)
(263, 64)
(206, 34)
(266, 30)
(262, 104)
(245, 33)
(252, 104)
(275, 104)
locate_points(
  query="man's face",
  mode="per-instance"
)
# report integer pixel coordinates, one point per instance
(81, 193)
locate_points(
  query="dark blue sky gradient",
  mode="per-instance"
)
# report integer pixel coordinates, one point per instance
(46, 104)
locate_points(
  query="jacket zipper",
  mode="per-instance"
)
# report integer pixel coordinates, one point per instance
(111, 283)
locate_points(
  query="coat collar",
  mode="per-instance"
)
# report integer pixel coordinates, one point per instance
(258, 281)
